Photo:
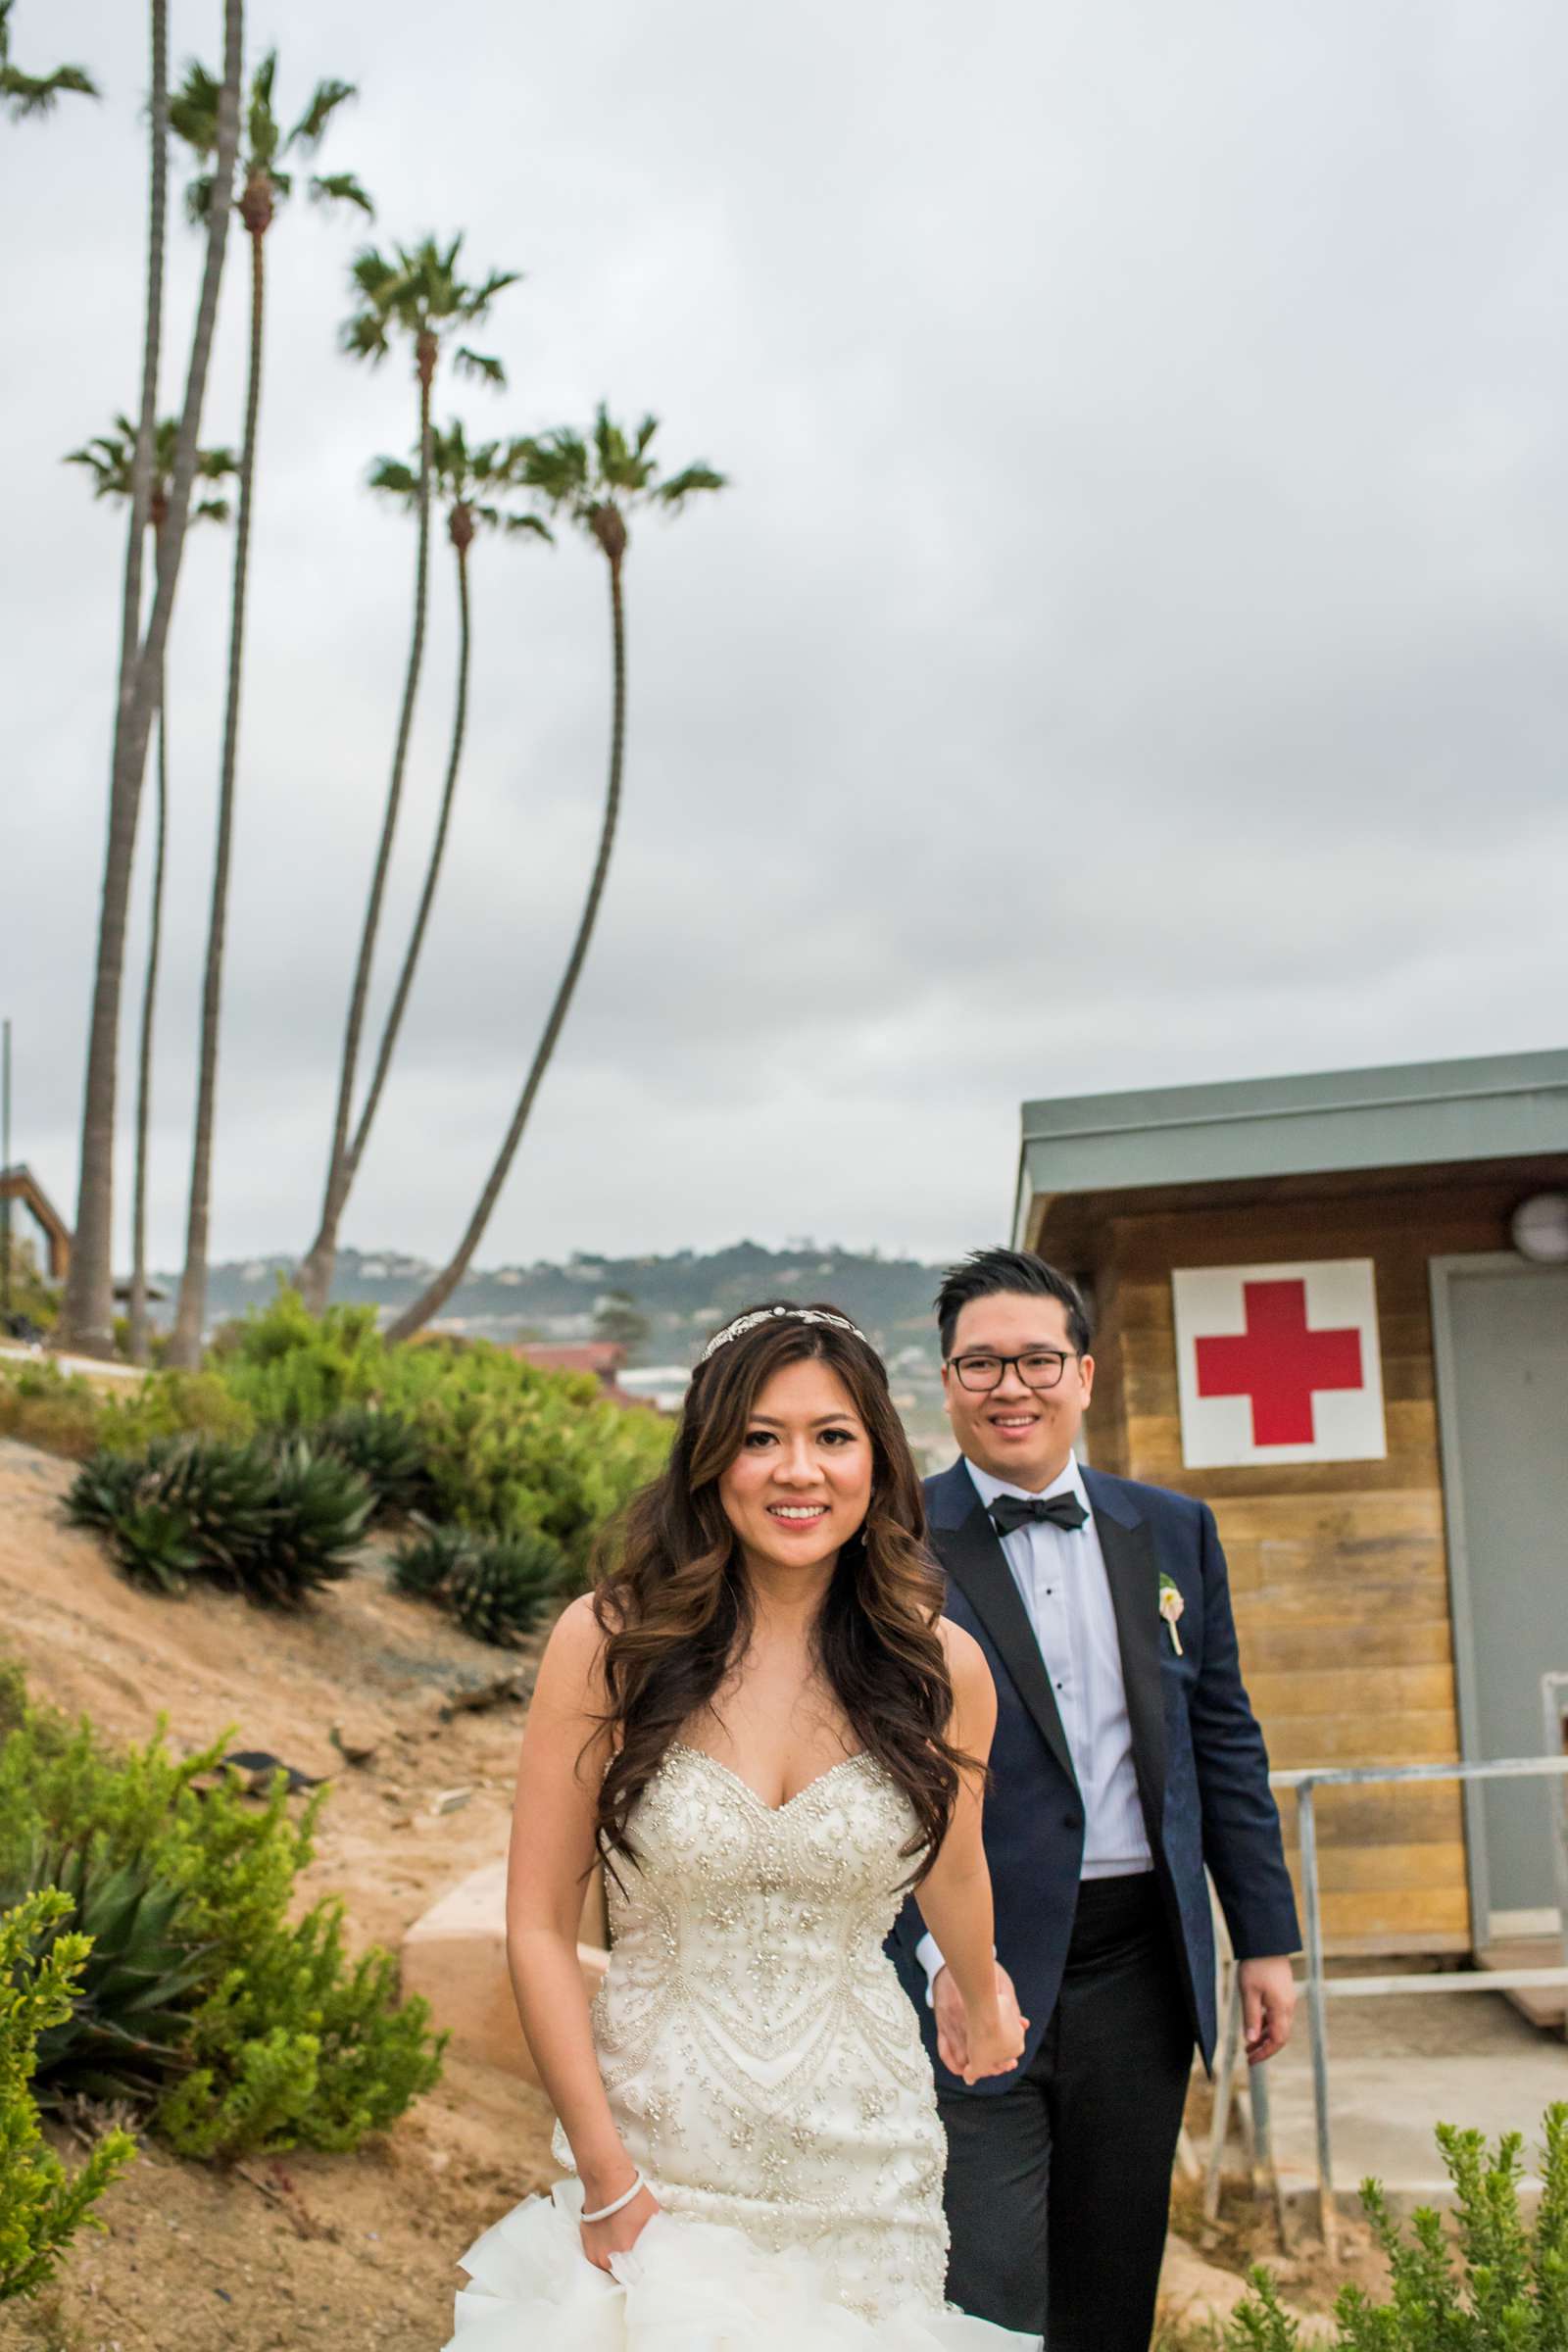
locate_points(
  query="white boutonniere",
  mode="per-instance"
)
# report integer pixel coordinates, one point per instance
(1171, 1605)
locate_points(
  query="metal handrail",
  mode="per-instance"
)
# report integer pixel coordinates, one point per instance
(1305, 1784)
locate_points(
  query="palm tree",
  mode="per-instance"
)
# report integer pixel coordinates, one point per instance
(111, 460)
(24, 94)
(86, 1314)
(264, 185)
(414, 291)
(597, 483)
(462, 477)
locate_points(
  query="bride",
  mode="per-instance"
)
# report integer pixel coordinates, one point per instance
(762, 1725)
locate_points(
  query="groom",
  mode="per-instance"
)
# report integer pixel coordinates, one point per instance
(1126, 1759)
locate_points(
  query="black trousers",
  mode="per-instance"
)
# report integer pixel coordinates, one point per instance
(1059, 2187)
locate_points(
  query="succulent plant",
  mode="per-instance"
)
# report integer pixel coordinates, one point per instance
(502, 1589)
(320, 1510)
(386, 1450)
(426, 1563)
(223, 1493)
(130, 2019)
(103, 1490)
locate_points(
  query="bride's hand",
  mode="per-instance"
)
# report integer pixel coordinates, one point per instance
(952, 2023)
(994, 2038)
(620, 2233)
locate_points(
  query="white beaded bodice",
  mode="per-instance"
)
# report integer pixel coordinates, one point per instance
(760, 2058)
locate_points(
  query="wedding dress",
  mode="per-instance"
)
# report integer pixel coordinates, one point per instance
(765, 2073)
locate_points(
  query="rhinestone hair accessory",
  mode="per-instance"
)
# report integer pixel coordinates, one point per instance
(787, 1315)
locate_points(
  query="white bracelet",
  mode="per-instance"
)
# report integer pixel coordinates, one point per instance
(605, 2211)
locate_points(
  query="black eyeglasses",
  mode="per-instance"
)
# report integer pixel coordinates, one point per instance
(1037, 1369)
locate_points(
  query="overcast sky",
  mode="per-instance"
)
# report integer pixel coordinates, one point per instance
(1134, 649)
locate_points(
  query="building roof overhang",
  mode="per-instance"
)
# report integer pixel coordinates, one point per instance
(1257, 1133)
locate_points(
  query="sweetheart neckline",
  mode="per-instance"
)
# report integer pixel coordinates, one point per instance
(685, 1748)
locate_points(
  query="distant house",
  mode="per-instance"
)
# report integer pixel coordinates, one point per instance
(602, 1359)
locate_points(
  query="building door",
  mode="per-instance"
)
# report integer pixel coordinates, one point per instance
(1501, 1332)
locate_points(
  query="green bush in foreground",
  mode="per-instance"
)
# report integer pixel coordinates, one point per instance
(41, 2205)
(1502, 2286)
(290, 2041)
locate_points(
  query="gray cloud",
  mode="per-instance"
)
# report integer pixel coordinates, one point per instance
(1132, 650)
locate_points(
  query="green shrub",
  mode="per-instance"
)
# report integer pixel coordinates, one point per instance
(41, 1405)
(41, 2206)
(63, 1414)
(1502, 2286)
(131, 2021)
(290, 2041)
(504, 1445)
(497, 1588)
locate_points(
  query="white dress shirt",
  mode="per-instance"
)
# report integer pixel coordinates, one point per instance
(1061, 1580)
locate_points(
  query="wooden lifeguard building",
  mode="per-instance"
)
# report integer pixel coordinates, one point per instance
(19, 1187)
(1336, 1308)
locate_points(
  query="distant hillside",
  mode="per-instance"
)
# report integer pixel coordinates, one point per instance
(681, 1297)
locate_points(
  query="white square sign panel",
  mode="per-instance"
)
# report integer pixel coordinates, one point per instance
(1279, 1364)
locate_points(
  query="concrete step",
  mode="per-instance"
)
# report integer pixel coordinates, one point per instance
(456, 1957)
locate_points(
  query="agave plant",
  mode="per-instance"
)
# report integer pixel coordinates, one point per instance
(502, 1588)
(104, 1489)
(386, 1452)
(426, 1563)
(129, 2031)
(152, 1544)
(224, 1496)
(320, 1510)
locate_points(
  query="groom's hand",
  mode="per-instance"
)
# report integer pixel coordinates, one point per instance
(1268, 2007)
(953, 2028)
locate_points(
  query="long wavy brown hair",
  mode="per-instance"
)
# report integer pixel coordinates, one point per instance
(675, 1607)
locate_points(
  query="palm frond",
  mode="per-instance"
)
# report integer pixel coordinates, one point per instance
(477, 363)
(375, 274)
(685, 484)
(326, 100)
(211, 509)
(475, 301)
(645, 433)
(35, 94)
(215, 464)
(199, 199)
(391, 475)
(340, 188)
(533, 523)
(555, 463)
(260, 123)
(364, 336)
(193, 108)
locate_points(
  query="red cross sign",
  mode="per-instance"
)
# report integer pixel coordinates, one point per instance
(1279, 1364)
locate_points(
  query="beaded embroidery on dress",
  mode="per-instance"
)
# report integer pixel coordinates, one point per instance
(765, 2073)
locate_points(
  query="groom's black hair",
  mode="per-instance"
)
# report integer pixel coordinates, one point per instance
(986, 1273)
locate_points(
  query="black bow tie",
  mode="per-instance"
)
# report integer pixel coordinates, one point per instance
(1012, 1511)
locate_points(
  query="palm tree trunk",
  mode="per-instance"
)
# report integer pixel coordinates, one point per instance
(86, 1319)
(435, 1297)
(190, 1315)
(394, 1018)
(315, 1272)
(137, 1346)
(86, 1315)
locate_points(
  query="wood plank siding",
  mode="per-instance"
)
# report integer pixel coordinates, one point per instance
(1339, 1570)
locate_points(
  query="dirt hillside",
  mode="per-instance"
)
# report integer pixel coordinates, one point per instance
(347, 2251)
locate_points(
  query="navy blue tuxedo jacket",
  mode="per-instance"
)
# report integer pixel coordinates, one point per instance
(1203, 1771)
